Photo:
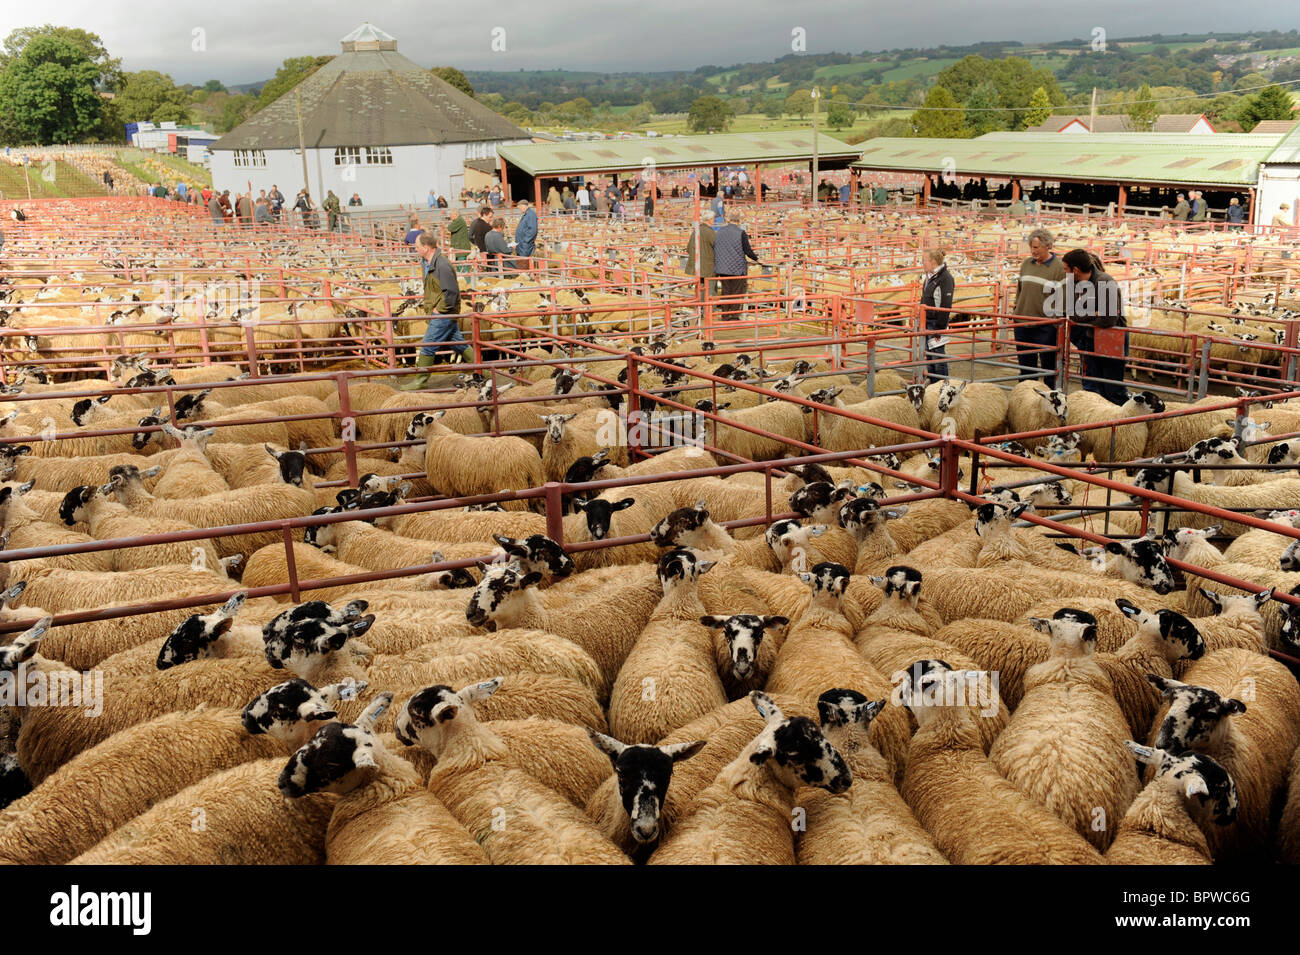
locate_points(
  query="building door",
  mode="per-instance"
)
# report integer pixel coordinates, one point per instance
(457, 184)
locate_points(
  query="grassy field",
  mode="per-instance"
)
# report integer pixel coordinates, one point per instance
(917, 68)
(757, 123)
(66, 181)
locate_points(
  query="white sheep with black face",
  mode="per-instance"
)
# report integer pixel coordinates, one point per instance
(643, 774)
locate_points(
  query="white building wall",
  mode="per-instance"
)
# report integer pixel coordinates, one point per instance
(1202, 125)
(415, 170)
(1277, 184)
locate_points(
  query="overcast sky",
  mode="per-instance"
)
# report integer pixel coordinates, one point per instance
(243, 42)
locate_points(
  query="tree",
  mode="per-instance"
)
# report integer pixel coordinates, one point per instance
(982, 115)
(773, 107)
(839, 115)
(291, 72)
(48, 92)
(639, 114)
(799, 103)
(708, 114)
(214, 86)
(516, 112)
(109, 68)
(1040, 107)
(1272, 102)
(150, 96)
(455, 77)
(1142, 112)
(940, 115)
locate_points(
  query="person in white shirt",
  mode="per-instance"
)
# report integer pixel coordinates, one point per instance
(584, 201)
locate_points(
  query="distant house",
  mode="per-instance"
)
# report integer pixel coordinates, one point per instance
(1279, 127)
(1119, 123)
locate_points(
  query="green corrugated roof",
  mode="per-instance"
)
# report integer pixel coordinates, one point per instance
(1208, 160)
(1288, 149)
(673, 152)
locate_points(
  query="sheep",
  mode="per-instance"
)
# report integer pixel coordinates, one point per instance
(870, 824)
(775, 417)
(514, 818)
(567, 440)
(189, 473)
(111, 783)
(743, 656)
(819, 652)
(383, 816)
(1158, 828)
(926, 520)
(1283, 493)
(248, 465)
(246, 822)
(693, 527)
(965, 410)
(22, 527)
(1063, 746)
(1175, 435)
(1130, 440)
(643, 774)
(949, 782)
(1253, 740)
(460, 466)
(838, 433)
(745, 815)
(59, 591)
(1288, 827)
(61, 475)
(669, 676)
(1266, 548)
(869, 523)
(109, 520)
(1033, 406)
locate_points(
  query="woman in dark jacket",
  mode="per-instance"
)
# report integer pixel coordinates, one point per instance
(936, 295)
(1093, 301)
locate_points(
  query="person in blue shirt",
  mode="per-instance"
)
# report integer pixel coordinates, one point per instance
(414, 232)
(526, 231)
(433, 200)
(1236, 214)
(719, 211)
(844, 194)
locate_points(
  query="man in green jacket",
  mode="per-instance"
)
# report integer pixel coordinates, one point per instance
(332, 210)
(458, 230)
(441, 304)
(706, 257)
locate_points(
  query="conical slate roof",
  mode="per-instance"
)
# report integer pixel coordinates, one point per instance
(371, 95)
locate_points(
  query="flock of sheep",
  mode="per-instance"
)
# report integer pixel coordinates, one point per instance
(809, 665)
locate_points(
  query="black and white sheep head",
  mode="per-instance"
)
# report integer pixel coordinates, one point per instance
(14, 783)
(679, 567)
(1175, 633)
(840, 709)
(455, 578)
(192, 436)
(585, 468)
(901, 583)
(72, 509)
(994, 516)
(322, 535)
(1284, 452)
(555, 425)
(339, 758)
(124, 476)
(190, 405)
(1073, 633)
(950, 393)
(828, 582)
(1250, 604)
(643, 773)
(1054, 403)
(1146, 402)
(795, 751)
(428, 716)
(567, 380)
(811, 474)
(915, 395)
(743, 633)
(87, 409)
(709, 406)
(863, 516)
(539, 553)
(1179, 541)
(680, 528)
(1059, 447)
(822, 396)
(600, 513)
(418, 428)
(1197, 717)
(23, 647)
(195, 637)
(820, 501)
(292, 464)
(1196, 776)
(788, 539)
(154, 421)
(288, 710)
(304, 636)
(1290, 631)
(1142, 561)
(498, 584)
(10, 452)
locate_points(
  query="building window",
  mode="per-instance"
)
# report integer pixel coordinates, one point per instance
(379, 156)
(250, 157)
(347, 156)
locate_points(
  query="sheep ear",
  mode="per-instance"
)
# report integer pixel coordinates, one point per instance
(766, 707)
(679, 751)
(713, 623)
(776, 621)
(1212, 597)
(1163, 684)
(1263, 597)
(1127, 607)
(1195, 786)
(152, 472)
(607, 745)
(480, 691)
(1144, 753)
(272, 452)
(1041, 624)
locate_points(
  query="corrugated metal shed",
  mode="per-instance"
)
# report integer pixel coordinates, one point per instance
(1288, 149)
(677, 152)
(371, 95)
(1207, 160)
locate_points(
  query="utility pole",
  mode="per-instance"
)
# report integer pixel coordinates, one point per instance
(1092, 112)
(816, 96)
(302, 147)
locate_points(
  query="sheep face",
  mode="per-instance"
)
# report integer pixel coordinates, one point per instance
(643, 773)
(419, 426)
(991, 516)
(1196, 715)
(795, 751)
(1178, 543)
(1225, 603)
(901, 582)
(292, 464)
(194, 637)
(499, 582)
(449, 579)
(827, 579)
(916, 395)
(1073, 633)
(789, 539)
(1055, 404)
(600, 513)
(1290, 559)
(586, 467)
(425, 718)
(555, 425)
(1181, 639)
(1286, 452)
(1196, 775)
(72, 509)
(10, 451)
(538, 553)
(85, 410)
(1146, 402)
(338, 759)
(141, 439)
(191, 405)
(287, 711)
(949, 393)
(863, 515)
(679, 526)
(743, 633)
(840, 708)
(1143, 562)
(24, 646)
(819, 501)
(680, 566)
(302, 636)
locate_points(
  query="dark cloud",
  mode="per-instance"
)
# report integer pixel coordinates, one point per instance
(244, 42)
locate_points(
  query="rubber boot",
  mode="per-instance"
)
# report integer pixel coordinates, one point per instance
(419, 381)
